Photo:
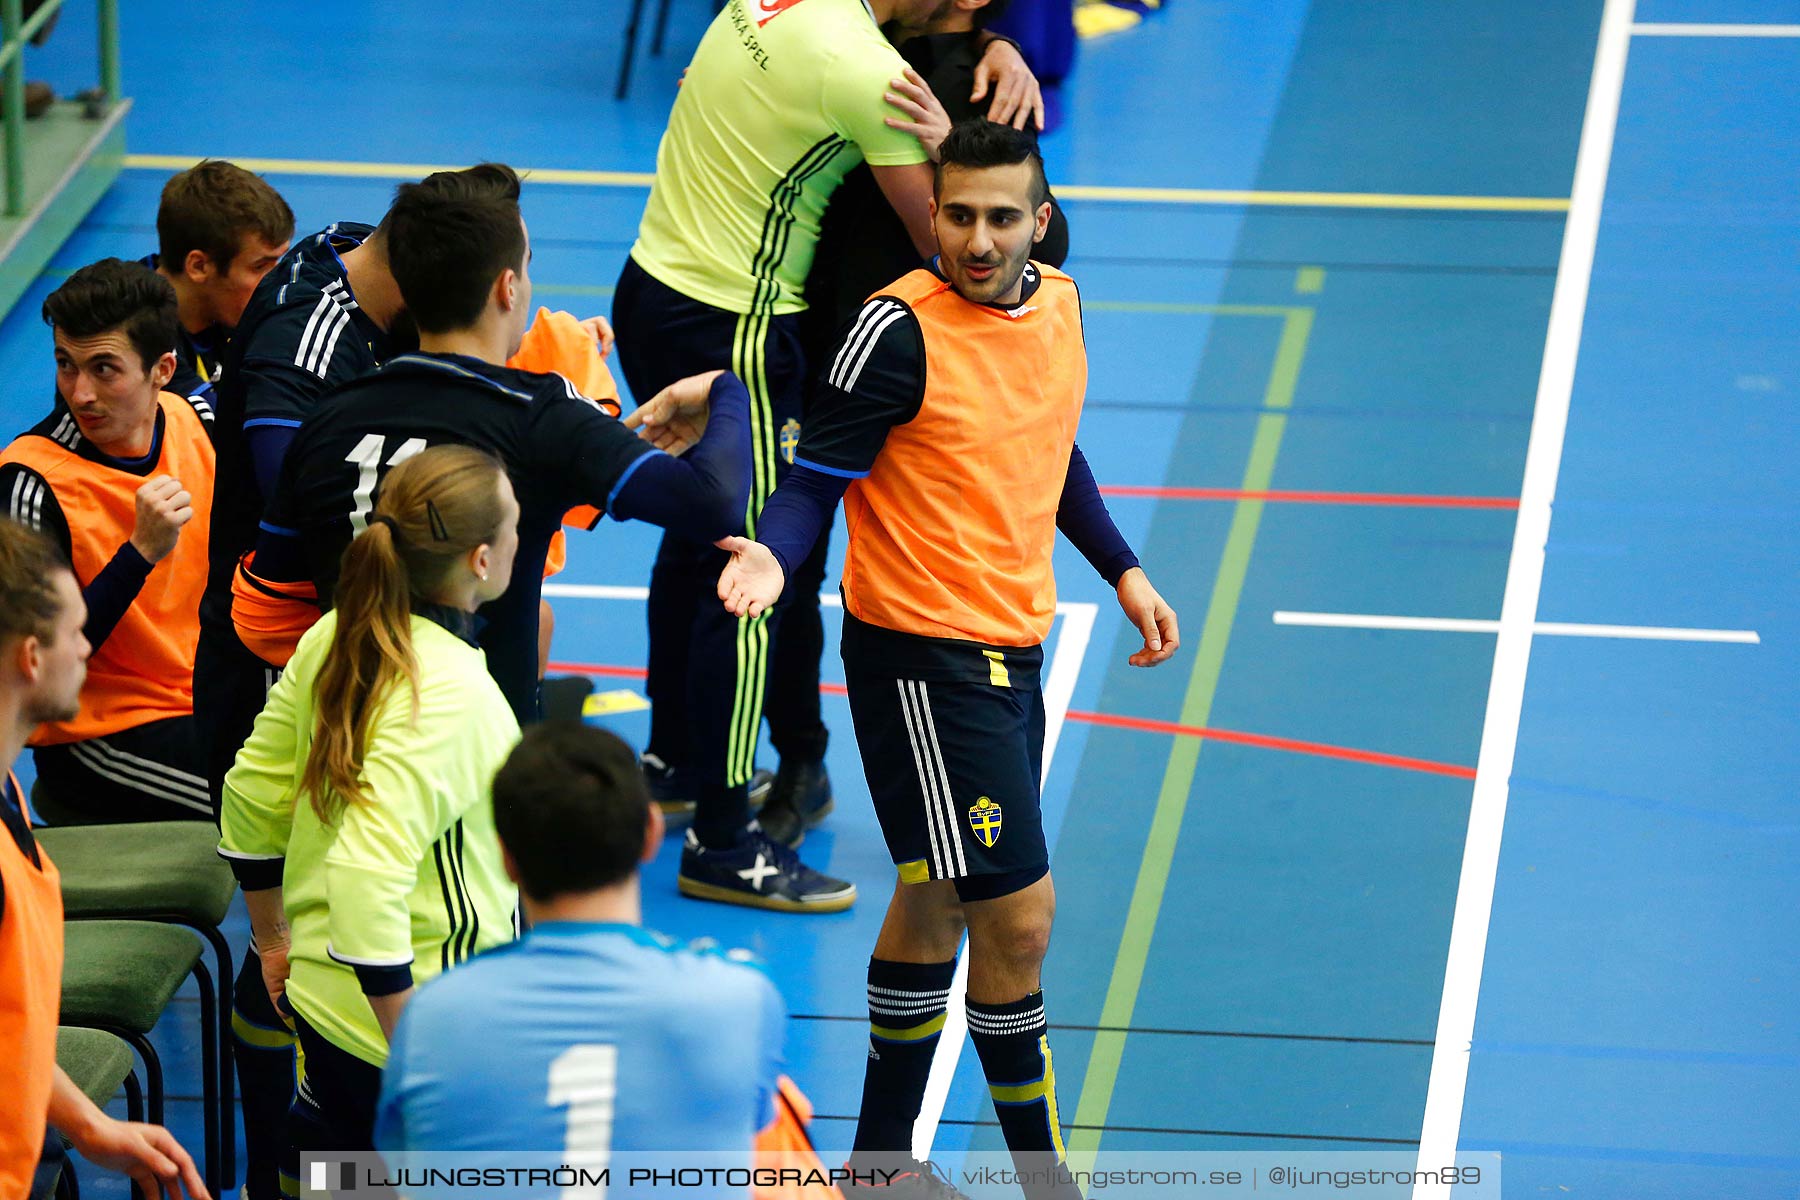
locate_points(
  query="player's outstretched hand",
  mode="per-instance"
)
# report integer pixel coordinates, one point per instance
(601, 331)
(675, 418)
(752, 580)
(1017, 96)
(926, 118)
(163, 507)
(149, 1154)
(1152, 616)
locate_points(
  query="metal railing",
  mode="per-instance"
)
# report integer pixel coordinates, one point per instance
(18, 32)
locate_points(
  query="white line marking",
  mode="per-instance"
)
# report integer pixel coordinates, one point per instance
(1665, 29)
(1518, 608)
(1650, 633)
(593, 591)
(1079, 619)
(1072, 639)
(1065, 668)
(1059, 690)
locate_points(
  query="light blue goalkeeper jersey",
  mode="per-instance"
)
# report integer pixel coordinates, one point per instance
(584, 1038)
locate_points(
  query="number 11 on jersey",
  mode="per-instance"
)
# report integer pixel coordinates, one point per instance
(367, 459)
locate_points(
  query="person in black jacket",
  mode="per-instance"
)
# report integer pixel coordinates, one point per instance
(863, 247)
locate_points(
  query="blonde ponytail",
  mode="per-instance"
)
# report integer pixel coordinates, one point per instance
(432, 510)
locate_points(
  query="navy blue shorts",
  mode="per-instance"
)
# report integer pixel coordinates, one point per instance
(707, 669)
(954, 769)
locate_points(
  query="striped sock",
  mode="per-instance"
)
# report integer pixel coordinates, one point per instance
(907, 1003)
(1015, 1056)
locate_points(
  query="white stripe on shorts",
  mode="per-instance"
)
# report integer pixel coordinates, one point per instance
(940, 854)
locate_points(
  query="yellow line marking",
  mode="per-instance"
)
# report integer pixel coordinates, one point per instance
(1309, 281)
(1157, 863)
(371, 170)
(1127, 195)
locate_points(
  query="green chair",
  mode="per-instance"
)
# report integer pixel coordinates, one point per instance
(119, 976)
(166, 871)
(99, 1064)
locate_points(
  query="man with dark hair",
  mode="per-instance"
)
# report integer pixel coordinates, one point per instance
(781, 99)
(219, 229)
(595, 1033)
(863, 246)
(329, 313)
(949, 416)
(326, 313)
(43, 658)
(453, 235)
(119, 477)
(460, 253)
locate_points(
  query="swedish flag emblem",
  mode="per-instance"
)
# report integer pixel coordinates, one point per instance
(790, 439)
(984, 821)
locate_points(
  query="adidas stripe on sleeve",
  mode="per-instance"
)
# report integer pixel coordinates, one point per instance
(28, 499)
(299, 354)
(875, 381)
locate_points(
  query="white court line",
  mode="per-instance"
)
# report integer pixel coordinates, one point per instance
(1518, 608)
(592, 591)
(1078, 618)
(1649, 633)
(1666, 29)
(1059, 691)
(1065, 668)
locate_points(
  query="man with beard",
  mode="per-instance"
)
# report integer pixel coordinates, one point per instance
(948, 416)
(782, 97)
(863, 246)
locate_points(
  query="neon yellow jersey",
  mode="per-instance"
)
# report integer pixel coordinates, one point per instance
(411, 881)
(782, 99)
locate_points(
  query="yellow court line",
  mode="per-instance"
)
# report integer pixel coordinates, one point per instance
(372, 170)
(1127, 195)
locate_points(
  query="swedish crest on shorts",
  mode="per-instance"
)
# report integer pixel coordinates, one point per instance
(984, 821)
(790, 440)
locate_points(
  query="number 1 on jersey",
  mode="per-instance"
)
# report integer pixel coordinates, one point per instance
(586, 1078)
(367, 458)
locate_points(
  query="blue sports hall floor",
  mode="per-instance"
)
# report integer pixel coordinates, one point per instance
(1440, 379)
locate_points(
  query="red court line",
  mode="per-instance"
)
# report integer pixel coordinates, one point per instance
(1291, 745)
(599, 669)
(1384, 499)
(1146, 725)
